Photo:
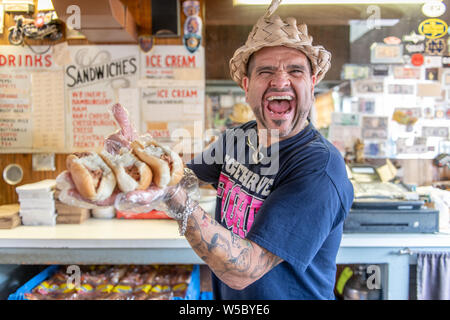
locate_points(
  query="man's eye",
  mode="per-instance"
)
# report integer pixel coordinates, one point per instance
(296, 71)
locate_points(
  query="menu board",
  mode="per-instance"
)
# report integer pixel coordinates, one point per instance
(58, 98)
(92, 84)
(48, 110)
(17, 113)
(173, 96)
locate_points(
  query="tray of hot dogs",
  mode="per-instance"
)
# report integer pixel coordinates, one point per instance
(113, 282)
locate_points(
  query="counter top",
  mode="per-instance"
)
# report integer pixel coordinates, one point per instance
(122, 233)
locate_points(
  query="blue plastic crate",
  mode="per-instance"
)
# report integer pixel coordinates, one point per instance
(33, 282)
(192, 291)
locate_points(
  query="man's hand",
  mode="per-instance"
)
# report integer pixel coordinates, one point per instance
(236, 261)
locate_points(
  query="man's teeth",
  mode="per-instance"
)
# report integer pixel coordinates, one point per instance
(271, 98)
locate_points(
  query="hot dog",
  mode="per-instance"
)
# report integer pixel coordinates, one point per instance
(166, 165)
(131, 173)
(92, 177)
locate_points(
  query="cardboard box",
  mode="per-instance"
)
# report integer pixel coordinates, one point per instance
(64, 209)
(9, 216)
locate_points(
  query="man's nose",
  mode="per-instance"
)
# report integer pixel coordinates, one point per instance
(280, 80)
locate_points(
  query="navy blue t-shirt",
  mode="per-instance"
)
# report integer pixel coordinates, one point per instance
(292, 203)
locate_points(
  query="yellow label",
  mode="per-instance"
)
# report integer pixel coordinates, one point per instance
(144, 287)
(159, 288)
(179, 287)
(85, 288)
(343, 278)
(122, 289)
(105, 288)
(433, 28)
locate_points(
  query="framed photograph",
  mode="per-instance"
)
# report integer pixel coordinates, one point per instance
(380, 70)
(355, 71)
(446, 78)
(367, 87)
(366, 105)
(386, 53)
(406, 73)
(401, 89)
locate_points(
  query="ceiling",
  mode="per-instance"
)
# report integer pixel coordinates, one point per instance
(222, 12)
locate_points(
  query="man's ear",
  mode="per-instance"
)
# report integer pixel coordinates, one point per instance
(245, 83)
(313, 83)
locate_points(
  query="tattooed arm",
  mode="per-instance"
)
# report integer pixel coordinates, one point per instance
(237, 262)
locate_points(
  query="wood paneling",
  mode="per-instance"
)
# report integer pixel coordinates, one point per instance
(224, 40)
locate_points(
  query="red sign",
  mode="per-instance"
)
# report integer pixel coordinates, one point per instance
(417, 59)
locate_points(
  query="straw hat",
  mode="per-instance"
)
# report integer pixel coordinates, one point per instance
(242, 113)
(270, 31)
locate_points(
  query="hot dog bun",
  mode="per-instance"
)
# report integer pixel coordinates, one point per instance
(92, 177)
(131, 173)
(166, 165)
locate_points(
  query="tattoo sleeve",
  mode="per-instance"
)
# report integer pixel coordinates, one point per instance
(236, 261)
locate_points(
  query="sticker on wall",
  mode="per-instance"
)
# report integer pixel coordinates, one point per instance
(432, 61)
(146, 43)
(392, 40)
(386, 53)
(446, 61)
(415, 48)
(435, 47)
(433, 28)
(417, 59)
(433, 8)
(413, 37)
(192, 42)
(191, 8)
(432, 74)
(192, 26)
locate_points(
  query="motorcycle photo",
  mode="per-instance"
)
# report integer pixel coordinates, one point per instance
(45, 26)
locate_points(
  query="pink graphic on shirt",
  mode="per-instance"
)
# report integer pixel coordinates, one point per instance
(238, 207)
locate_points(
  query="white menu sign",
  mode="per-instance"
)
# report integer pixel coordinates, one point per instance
(93, 82)
(17, 64)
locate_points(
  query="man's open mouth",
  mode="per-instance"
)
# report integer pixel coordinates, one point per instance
(279, 105)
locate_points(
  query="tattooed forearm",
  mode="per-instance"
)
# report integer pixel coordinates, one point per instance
(237, 262)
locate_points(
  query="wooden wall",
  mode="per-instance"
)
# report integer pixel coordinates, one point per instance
(223, 40)
(141, 11)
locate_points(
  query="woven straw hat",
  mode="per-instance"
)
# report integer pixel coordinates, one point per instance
(242, 113)
(271, 31)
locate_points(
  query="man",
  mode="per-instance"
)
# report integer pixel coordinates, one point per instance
(282, 189)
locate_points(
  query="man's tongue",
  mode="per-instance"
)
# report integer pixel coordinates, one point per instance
(279, 106)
